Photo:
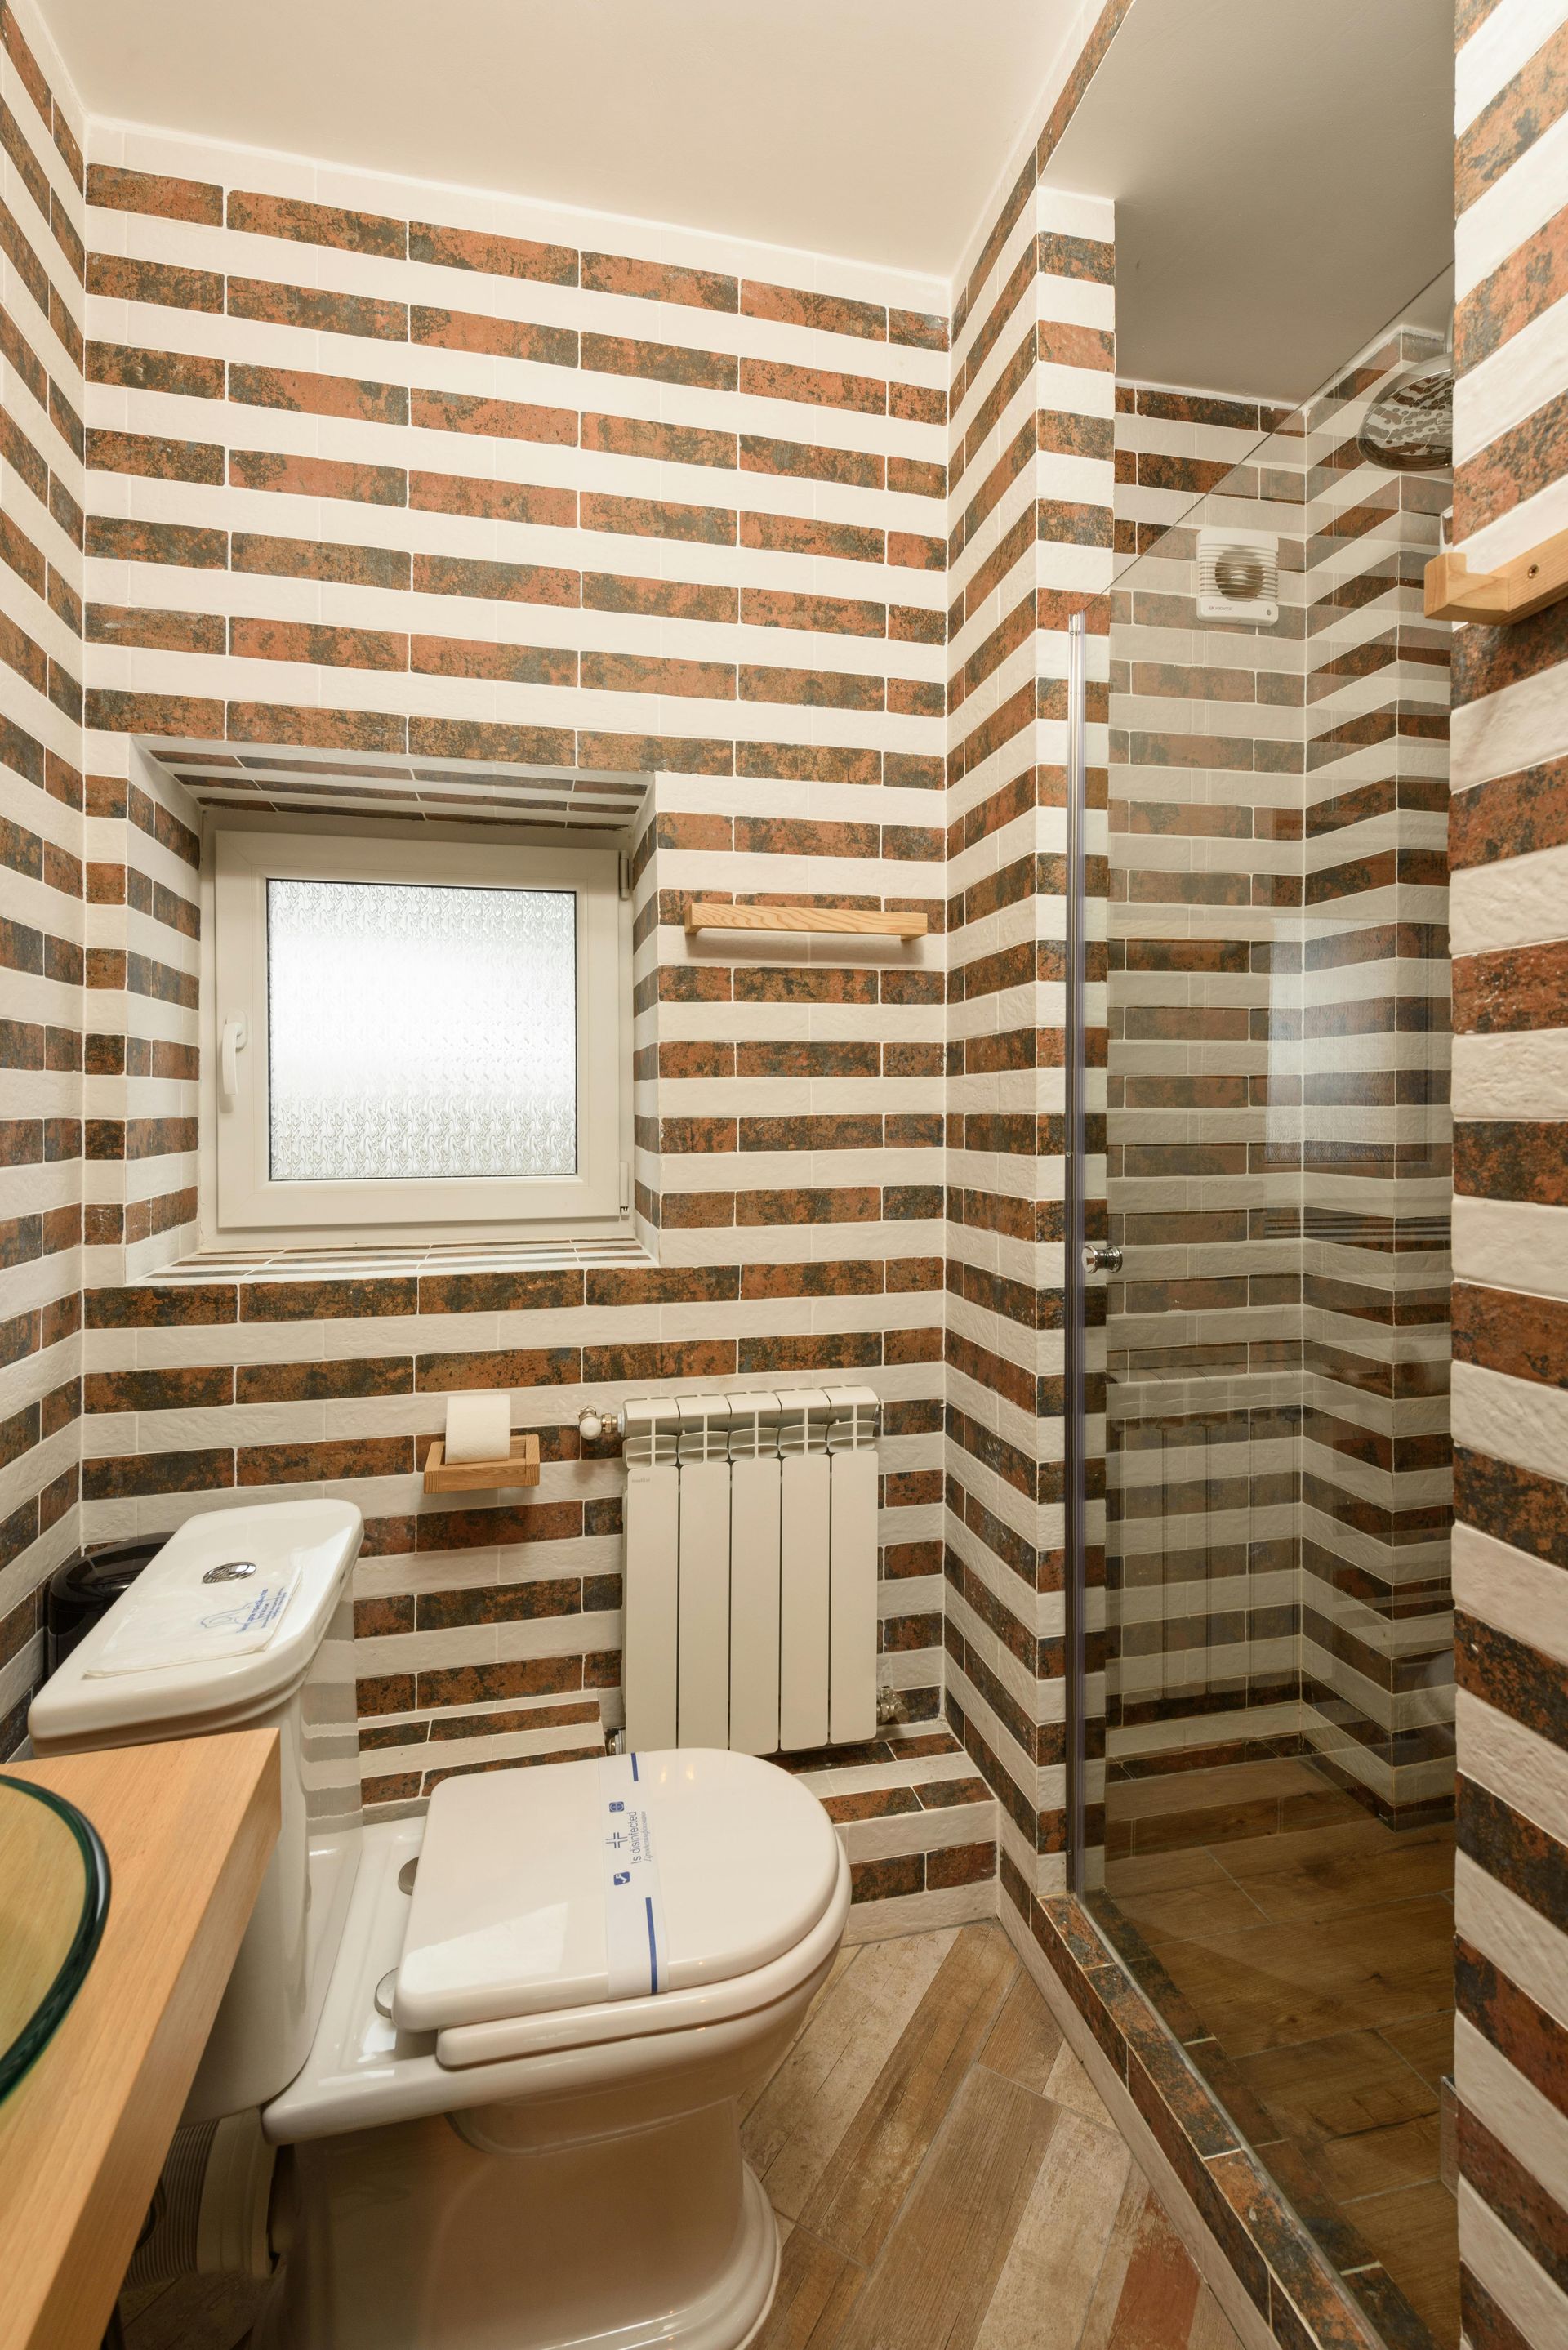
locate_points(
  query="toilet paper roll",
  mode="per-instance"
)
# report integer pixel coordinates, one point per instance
(478, 1427)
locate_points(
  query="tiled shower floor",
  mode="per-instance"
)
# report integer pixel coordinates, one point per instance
(1309, 1971)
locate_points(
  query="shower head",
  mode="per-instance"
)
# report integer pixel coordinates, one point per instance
(1409, 427)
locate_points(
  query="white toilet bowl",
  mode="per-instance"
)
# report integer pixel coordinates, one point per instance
(549, 2168)
(502, 2045)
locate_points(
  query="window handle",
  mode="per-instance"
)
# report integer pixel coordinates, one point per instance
(231, 1043)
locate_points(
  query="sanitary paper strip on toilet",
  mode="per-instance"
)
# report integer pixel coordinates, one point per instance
(636, 1950)
(198, 1626)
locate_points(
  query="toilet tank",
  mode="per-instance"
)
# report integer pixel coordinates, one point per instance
(139, 1676)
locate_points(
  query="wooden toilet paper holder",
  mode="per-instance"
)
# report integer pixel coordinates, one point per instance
(521, 1466)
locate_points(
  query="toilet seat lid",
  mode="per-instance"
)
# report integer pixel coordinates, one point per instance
(579, 1882)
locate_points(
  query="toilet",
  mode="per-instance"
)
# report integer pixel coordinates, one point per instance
(503, 2043)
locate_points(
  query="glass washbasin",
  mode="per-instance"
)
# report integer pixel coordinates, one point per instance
(54, 1897)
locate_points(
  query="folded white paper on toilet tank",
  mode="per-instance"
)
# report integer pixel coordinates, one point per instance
(198, 1625)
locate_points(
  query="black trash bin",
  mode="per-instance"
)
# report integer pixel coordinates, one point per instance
(87, 1587)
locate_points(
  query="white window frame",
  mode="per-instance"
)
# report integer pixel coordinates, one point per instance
(243, 1207)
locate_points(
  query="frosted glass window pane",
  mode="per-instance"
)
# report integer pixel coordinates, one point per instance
(417, 1034)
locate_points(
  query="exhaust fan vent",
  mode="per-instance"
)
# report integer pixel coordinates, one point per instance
(1239, 575)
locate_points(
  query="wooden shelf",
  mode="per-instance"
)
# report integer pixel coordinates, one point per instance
(521, 1466)
(1512, 592)
(850, 921)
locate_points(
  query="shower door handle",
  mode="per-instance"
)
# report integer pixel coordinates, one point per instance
(1101, 1257)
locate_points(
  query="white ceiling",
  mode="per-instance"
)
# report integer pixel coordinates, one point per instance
(870, 127)
(1283, 178)
(1281, 168)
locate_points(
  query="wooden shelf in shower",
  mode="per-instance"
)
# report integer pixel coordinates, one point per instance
(1512, 592)
(849, 921)
(521, 1466)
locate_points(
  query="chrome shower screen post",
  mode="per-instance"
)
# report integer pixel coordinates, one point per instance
(1075, 1482)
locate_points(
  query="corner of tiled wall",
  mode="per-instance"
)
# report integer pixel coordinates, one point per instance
(1031, 470)
(43, 836)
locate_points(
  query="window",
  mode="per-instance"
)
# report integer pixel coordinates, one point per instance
(415, 1038)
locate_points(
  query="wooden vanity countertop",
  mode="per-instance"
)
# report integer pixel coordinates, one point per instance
(189, 1828)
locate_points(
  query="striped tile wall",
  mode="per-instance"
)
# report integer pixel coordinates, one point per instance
(43, 837)
(395, 498)
(1175, 445)
(1508, 852)
(487, 435)
(1031, 468)
(1204, 1343)
(1278, 1069)
(1372, 1065)
(456, 499)
(142, 1046)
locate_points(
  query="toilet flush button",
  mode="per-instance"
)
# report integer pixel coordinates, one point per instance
(233, 1570)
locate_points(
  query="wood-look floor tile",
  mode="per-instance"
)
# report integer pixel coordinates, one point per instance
(1293, 2170)
(816, 2290)
(1210, 2328)
(796, 2126)
(195, 2313)
(1211, 1908)
(1162, 1872)
(1337, 2088)
(1406, 2154)
(932, 2286)
(1159, 2293)
(857, 2195)
(1415, 2235)
(1068, 2084)
(1220, 1786)
(1332, 1885)
(1275, 1985)
(1122, 2235)
(1223, 1824)
(1229, 2081)
(960, 2185)
(1265, 1854)
(1047, 2281)
(843, 1959)
(1321, 1807)
(1426, 2042)
(1025, 2040)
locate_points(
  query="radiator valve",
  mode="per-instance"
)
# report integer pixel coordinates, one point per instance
(592, 1425)
(890, 1707)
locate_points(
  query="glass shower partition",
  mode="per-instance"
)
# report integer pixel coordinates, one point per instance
(1272, 1690)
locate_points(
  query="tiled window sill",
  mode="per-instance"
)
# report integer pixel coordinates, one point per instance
(390, 1264)
(329, 1285)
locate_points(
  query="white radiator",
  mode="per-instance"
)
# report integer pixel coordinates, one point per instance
(750, 1569)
